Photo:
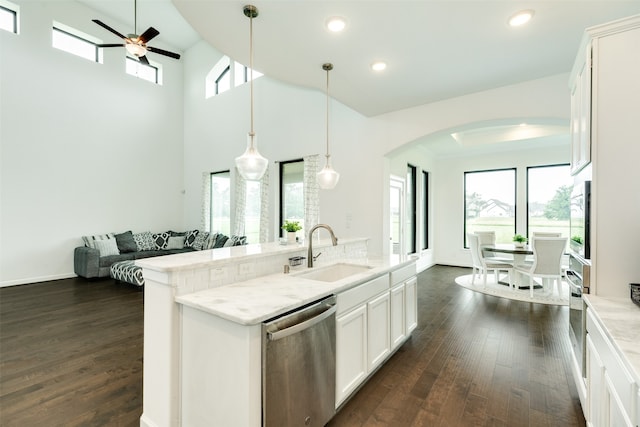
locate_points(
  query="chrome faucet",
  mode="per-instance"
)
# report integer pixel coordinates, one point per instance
(334, 240)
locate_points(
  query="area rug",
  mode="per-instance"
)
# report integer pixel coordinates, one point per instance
(539, 296)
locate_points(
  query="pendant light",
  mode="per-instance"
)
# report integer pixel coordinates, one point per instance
(251, 164)
(328, 177)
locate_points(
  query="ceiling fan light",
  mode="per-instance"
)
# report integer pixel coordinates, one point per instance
(135, 49)
(251, 165)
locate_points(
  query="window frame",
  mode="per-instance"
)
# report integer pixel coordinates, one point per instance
(155, 68)
(69, 32)
(211, 213)
(224, 72)
(464, 200)
(281, 167)
(411, 211)
(13, 12)
(567, 165)
(425, 210)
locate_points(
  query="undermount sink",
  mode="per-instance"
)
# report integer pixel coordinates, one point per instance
(333, 273)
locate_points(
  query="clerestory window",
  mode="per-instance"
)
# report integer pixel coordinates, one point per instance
(75, 42)
(9, 17)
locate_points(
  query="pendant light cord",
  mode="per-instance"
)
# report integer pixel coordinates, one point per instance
(135, 17)
(327, 155)
(251, 133)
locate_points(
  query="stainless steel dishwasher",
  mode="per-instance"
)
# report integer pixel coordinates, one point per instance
(299, 366)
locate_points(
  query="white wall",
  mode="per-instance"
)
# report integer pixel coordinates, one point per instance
(88, 149)
(85, 148)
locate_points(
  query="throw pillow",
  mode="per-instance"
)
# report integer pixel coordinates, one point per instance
(144, 241)
(236, 241)
(221, 239)
(200, 241)
(125, 242)
(211, 241)
(107, 247)
(190, 238)
(175, 242)
(161, 240)
(89, 240)
(176, 233)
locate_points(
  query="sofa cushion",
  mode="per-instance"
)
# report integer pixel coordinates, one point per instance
(106, 261)
(200, 241)
(106, 247)
(221, 239)
(161, 240)
(144, 241)
(175, 242)
(126, 243)
(190, 238)
(89, 240)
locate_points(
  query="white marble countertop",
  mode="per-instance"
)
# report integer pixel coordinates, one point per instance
(254, 301)
(621, 320)
(199, 259)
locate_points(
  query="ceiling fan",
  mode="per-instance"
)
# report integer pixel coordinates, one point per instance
(136, 44)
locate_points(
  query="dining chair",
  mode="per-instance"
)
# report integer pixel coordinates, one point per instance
(547, 259)
(482, 265)
(488, 238)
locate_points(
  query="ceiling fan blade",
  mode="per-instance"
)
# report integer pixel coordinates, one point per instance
(148, 35)
(108, 28)
(163, 52)
(110, 45)
(143, 59)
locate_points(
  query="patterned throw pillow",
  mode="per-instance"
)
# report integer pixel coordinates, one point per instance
(221, 239)
(211, 241)
(144, 241)
(236, 241)
(190, 238)
(107, 247)
(200, 241)
(161, 240)
(89, 240)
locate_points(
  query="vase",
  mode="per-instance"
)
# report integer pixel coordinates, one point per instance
(291, 237)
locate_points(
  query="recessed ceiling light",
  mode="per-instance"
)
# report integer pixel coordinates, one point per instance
(521, 18)
(378, 66)
(336, 24)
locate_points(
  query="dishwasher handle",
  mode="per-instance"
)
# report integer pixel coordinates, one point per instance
(273, 336)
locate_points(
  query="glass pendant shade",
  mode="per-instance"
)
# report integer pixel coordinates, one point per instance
(328, 178)
(251, 164)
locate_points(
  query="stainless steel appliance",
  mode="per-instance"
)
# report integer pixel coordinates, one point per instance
(580, 219)
(578, 277)
(298, 366)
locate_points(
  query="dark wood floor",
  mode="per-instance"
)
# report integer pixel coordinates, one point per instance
(71, 355)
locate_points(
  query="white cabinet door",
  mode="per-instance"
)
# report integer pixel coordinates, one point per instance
(596, 403)
(581, 116)
(378, 320)
(618, 417)
(351, 351)
(411, 304)
(397, 315)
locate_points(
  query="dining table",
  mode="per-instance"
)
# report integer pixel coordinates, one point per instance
(519, 254)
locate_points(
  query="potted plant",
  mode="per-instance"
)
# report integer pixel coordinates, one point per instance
(291, 227)
(519, 240)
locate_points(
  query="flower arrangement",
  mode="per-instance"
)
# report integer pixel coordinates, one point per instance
(291, 226)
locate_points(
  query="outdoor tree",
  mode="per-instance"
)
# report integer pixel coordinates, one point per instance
(475, 204)
(558, 207)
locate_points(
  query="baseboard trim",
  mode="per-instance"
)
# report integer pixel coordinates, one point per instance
(29, 280)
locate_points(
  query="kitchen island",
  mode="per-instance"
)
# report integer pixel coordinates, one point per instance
(202, 356)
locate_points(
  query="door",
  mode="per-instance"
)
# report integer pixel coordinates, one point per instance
(411, 304)
(397, 315)
(378, 314)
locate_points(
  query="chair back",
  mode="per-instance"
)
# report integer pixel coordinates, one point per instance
(486, 238)
(547, 255)
(545, 234)
(474, 247)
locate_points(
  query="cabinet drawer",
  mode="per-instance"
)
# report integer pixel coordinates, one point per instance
(402, 274)
(621, 381)
(355, 296)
